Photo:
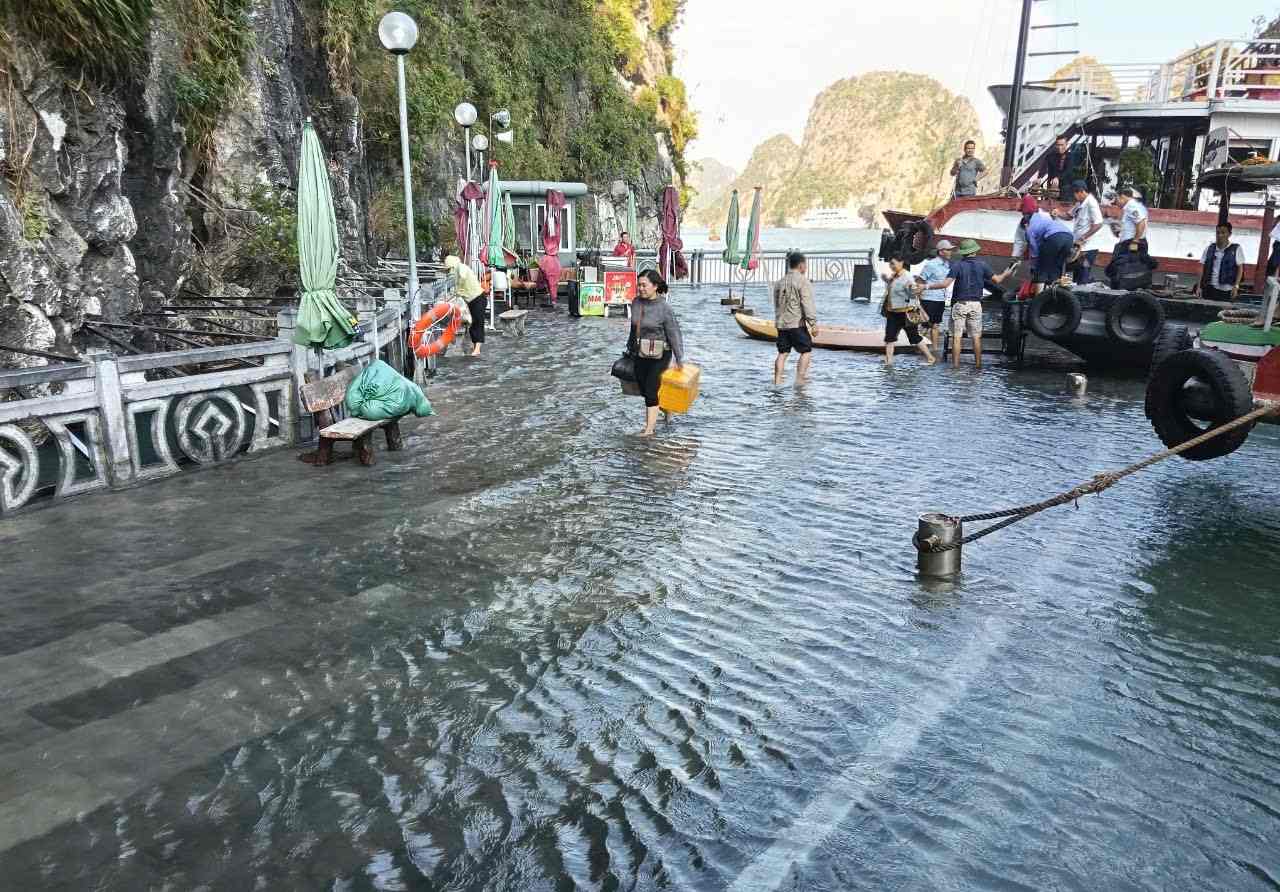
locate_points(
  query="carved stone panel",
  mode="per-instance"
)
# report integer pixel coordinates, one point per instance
(69, 446)
(262, 436)
(159, 438)
(18, 473)
(210, 426)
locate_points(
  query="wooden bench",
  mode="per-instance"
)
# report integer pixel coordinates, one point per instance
(324, 399)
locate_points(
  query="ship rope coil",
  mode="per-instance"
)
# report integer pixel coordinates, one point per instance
(423, 342)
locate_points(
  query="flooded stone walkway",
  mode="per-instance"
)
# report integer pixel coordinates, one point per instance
(535, 652)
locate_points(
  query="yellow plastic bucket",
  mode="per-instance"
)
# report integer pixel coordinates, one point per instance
(679, 388)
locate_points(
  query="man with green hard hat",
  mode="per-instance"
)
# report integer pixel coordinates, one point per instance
(971, 277)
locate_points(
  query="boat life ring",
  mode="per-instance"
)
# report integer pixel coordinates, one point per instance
(1173, 338)
(1011, 329)
(418, 341)
(1054, 313)
(1193, 391)
(1135, 320)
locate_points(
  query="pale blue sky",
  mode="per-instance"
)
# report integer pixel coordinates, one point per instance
(753, 68)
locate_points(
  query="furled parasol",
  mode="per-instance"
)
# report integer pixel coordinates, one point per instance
(671, 261)
(751, 259)
(549, 262)
(323, 322)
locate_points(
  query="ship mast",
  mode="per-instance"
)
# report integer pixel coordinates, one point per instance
(1015, 96)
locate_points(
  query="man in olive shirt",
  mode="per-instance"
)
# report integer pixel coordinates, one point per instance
(795, 318)
(967, 170)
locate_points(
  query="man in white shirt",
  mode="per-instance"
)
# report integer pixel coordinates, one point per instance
(1133, 222)
(1087, 226)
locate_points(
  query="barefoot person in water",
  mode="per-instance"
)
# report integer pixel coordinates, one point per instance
(654, 340)
(795, 318)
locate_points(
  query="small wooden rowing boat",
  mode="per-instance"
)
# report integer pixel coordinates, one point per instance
(829, 337)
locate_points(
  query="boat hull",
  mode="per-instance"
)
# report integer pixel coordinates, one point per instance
(1176, 239)
(829, 337)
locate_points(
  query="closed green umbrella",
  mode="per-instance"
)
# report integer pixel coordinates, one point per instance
(750, 260)
(633, 225)
(732, 253)
(497, 222)
(323, 322)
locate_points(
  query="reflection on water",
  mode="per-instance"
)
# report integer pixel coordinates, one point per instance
(541, 653)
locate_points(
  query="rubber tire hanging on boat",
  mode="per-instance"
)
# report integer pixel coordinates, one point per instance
(1173, 338)
(1225, 388)
(1011, 329)
(1125, 308)
(1054, 302)
(914, 240)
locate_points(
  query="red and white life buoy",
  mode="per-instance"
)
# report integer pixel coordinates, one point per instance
(424, 347)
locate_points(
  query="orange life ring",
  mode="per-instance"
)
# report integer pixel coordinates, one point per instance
(433, 317)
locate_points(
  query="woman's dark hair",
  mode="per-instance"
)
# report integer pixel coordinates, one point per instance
(1230, 229)
(900, 257)
(655, 280)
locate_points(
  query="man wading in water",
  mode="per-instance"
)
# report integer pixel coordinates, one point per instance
(795, 318)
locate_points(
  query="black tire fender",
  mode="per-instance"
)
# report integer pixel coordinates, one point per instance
(1145, 310)
(1173, 338)
(1054, 313)
(1226, 395)
(1011, 329)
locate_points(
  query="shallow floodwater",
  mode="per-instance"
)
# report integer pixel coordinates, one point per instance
(536, 652)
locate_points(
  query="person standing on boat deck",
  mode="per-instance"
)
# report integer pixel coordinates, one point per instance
(1133, 222)
(653, 341)
(935, 287)
(967, 170)
(1049, 240)
(470, 290)
(972, 276)
(1221, 268)
(1087, 224)
(900, 298)
(1055, 172)
(795, 317)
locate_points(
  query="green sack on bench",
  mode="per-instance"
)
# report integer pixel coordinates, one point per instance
(380, 393)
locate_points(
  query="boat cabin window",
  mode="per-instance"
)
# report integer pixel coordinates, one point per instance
(1241, 149)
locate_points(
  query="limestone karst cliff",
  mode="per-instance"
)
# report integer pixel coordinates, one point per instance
(148, 148)
(884, 140)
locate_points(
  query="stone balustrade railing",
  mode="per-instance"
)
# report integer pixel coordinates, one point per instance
(113, 421)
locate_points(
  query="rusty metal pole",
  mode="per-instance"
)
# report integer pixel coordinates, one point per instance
(1264, 246)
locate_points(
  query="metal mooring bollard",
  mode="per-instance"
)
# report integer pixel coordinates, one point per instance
(938, 529)
(1079, 383)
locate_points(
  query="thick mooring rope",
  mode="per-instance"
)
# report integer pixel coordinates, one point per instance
(1097, 484)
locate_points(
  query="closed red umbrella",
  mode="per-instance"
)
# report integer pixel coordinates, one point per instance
(549, 262)
(462, 222)
(670, 259)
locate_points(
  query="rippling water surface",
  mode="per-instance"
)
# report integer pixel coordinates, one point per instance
(704, 661)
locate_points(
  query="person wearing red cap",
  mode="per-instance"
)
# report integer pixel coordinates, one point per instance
(1028, 207)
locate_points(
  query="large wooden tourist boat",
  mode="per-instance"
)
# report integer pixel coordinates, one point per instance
(1212, 108)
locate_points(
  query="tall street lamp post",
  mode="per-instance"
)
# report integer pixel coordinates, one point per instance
(503, 117)
(465, 114)
(398, 34)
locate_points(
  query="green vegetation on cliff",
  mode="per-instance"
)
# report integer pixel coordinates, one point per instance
(553, 63)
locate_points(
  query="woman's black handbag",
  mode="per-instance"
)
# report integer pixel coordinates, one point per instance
(624, 368)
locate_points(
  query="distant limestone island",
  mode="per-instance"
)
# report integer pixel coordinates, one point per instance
(883, 141)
